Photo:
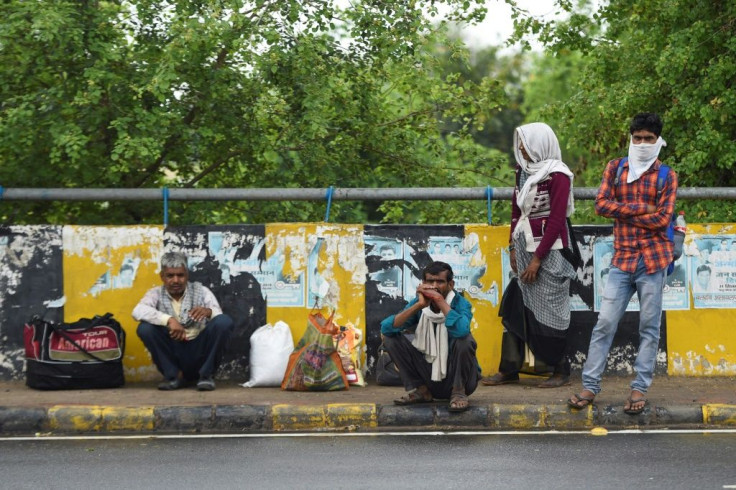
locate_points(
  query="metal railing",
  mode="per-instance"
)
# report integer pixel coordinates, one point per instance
(166, 194)
(313, 194)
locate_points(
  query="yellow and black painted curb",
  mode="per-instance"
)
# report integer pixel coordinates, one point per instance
(99, 419)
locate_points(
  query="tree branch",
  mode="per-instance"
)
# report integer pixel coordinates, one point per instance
(174, 139)
(211, 168)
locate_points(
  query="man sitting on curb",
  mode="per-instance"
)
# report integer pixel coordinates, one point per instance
(183, 327)
(440, 361)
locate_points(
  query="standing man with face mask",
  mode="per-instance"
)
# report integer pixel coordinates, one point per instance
(642, 254)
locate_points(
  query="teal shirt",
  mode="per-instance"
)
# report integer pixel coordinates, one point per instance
(457, 320)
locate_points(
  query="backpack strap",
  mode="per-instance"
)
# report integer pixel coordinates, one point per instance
(664, 170)
(620, 169)
(662, 178)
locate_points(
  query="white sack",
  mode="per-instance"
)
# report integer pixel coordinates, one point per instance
(270, 347)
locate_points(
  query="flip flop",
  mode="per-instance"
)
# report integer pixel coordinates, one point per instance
(636, 411)
(581, 399)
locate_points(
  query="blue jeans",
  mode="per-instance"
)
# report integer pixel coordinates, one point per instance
(618, 291)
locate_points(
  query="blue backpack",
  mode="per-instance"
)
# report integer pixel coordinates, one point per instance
(676, 237)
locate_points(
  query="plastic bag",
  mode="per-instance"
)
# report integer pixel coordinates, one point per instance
(347, 343)
(315, 365)
(270, 347)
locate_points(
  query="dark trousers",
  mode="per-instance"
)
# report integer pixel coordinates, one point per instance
(522, 328)
(512, 354)
(197, 358)
(462, 366)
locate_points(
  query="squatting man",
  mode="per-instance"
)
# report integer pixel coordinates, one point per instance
(440, 361)
(183, 327)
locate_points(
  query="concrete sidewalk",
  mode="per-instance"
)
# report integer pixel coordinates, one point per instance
(674, 402)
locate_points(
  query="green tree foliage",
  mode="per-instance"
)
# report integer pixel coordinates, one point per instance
(676, 58)
(551, 84)
(229, 93)
(491, 128)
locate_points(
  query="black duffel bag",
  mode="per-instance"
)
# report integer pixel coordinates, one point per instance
(387, 373)
(86, 354)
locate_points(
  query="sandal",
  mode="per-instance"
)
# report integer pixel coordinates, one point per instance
(458, 402)
(580, 401)
(413, 397)
(631, 402)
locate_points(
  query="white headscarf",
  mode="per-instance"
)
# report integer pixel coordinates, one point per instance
(642, 156)
(543, 148)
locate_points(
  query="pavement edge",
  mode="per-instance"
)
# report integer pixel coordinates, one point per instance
(99, 419)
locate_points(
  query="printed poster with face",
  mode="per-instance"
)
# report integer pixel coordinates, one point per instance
(462, 254)
(389, 276)
(675, 295)
(712, 266)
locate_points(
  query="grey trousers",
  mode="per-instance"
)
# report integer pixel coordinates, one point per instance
(462, 366)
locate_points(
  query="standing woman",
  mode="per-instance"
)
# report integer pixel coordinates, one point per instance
(535, 307)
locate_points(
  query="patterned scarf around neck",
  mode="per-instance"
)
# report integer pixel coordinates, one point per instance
(193, 296)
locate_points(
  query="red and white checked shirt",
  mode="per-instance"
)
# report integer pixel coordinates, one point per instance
(636, 233)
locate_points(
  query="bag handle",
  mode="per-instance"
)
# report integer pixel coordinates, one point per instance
(328, 324)
(575, 247)
(96, 321)
(575, 259)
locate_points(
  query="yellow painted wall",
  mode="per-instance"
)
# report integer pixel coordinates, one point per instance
(702, 342)
(89, 252)
(487, 327)
(341, 263)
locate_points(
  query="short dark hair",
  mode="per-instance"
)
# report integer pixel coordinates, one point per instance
(436, 268)
(647, 121)
(702, 268)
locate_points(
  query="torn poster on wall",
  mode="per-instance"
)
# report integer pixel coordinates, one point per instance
(675, 297)
(30, 277)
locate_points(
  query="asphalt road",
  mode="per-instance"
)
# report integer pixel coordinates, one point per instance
(509, 461)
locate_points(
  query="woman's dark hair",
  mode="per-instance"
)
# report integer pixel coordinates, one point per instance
(435, 268)
(647, 121)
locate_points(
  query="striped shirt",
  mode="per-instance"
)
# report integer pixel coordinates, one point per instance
(636, 233)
